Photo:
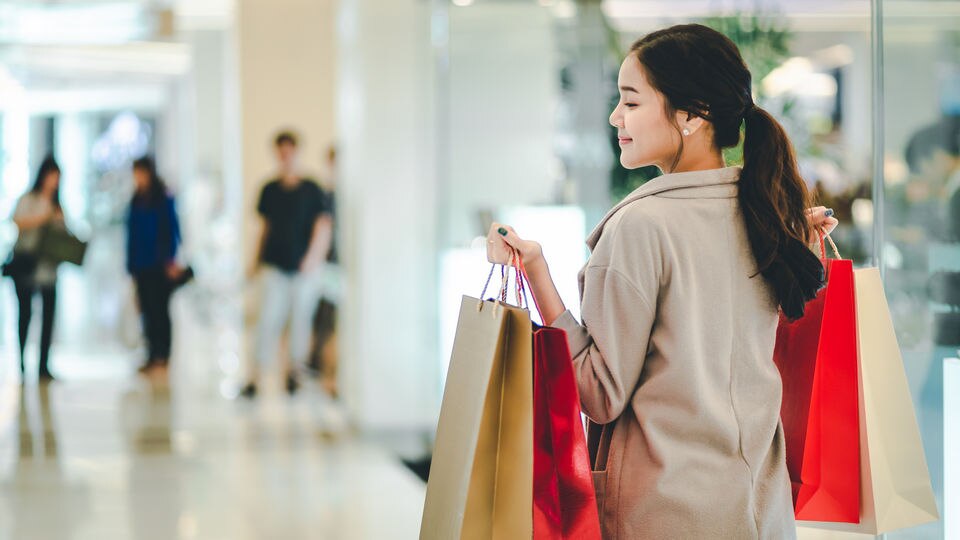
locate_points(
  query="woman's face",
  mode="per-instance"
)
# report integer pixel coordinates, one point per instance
(141, 179)
(51, 182)
(646, 135)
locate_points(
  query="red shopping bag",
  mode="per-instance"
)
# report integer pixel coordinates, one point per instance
(564, 501)
(817, 359)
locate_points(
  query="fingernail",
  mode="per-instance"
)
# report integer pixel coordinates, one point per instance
(829, 212)
(502, 231)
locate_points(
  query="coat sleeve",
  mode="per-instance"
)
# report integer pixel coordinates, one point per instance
(610, 346)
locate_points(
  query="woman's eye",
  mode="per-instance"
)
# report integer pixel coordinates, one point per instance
(629, 105)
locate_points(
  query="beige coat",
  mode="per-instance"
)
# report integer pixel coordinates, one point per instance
(675, 354)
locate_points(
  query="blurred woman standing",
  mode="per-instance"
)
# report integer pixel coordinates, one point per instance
(153, 236)
(37, 211)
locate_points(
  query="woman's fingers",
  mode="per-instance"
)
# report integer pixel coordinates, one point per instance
(819, 213)
(504, 245)
(829, 225)
(499, 249)
(510, 236)
(820, 216)
(821, 220)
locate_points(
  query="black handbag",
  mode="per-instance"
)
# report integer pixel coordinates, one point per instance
(21, 264)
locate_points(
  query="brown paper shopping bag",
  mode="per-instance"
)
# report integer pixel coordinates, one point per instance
(481, 477)
(895, 481)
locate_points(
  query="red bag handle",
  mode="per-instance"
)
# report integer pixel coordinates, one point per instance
(523, 274)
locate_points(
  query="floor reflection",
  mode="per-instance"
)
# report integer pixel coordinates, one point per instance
(42, 500)
(155, 498)
(32, 399)
(126, 458)
(106, 454)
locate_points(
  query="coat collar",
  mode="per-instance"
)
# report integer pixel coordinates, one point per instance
(706, 184)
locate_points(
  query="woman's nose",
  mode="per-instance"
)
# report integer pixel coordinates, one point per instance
(615, 118)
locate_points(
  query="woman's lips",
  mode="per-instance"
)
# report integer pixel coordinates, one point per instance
(624, 140)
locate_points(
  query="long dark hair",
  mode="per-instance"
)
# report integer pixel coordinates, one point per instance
(156, 192)
(47, 166)
(700, 71)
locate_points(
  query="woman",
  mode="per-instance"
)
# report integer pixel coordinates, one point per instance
(36, 211)
(680, 300)
(153, 236)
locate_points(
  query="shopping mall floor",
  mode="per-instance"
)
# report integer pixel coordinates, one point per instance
(106, 454)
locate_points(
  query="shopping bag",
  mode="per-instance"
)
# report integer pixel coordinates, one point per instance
(895, 480)
(59, 246)
(564, 502)
(817, 359)
(481, 477)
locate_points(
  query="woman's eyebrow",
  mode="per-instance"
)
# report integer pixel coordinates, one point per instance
(629, 89)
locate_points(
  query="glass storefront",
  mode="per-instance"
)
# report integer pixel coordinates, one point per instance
(918, 134)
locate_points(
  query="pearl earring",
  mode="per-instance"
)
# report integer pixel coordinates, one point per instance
(686, 131)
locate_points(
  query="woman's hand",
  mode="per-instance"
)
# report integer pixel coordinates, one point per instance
(39, 219)
(502, 240)
(822, 220)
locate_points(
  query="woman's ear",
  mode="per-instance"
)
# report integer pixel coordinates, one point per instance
(689, 123)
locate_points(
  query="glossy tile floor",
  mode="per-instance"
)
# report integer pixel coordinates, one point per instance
(115, 456)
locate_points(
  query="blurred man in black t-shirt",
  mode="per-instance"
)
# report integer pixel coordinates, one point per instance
(297, 230)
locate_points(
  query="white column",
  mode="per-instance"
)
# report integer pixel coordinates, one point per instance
(388, 213)
(73, 138)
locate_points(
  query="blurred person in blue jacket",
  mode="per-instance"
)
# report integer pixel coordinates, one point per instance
(153, 236)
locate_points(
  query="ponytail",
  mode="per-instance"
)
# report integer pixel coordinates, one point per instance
(774, 198)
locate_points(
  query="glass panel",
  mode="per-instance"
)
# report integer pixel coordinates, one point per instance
(921, 223)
